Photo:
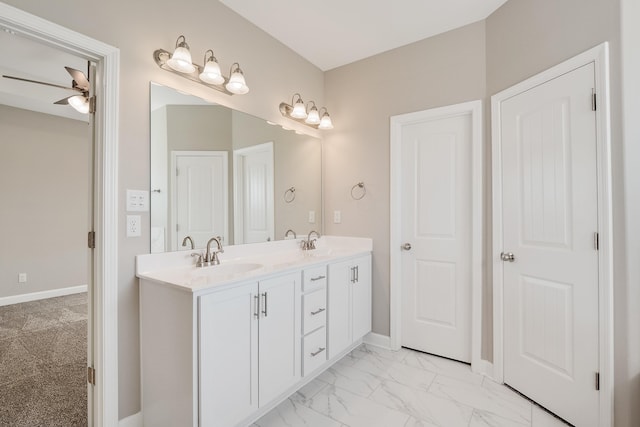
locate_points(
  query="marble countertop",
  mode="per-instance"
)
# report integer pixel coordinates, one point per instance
(240, 263)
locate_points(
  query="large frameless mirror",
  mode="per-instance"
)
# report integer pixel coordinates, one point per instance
(221, 172)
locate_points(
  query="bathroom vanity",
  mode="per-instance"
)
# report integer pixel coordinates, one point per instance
(223, 345)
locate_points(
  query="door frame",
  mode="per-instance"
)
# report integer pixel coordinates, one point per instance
(238, 186)
(173, 205)
(599, 56)
(474, 109)
(104, 410)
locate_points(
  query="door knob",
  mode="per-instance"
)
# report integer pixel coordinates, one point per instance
(406, 247)
(507, 257)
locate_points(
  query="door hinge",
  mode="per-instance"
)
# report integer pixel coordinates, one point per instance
(177, 171)
(594, 104)
(596, 241)
(597, 380)
(177, 227)
(91, 240)
(92, 104)
(91, 375)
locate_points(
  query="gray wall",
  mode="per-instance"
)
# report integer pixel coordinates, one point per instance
(44, 188)
(442, 70)
(273, 73)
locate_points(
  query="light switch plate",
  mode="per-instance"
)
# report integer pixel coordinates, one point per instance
(134, 226)
(137, 201)
(312, 217)
(337, 217)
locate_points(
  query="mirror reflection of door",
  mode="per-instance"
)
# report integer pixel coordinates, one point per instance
(198, 196)
(253, 170)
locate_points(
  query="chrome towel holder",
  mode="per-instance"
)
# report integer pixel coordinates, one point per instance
(290, 195)
(362, 190)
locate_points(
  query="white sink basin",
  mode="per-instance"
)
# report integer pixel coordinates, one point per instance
(229, 269)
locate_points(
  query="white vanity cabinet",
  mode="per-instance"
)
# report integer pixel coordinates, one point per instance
(249, 348)
(349, 295)
(221, 346)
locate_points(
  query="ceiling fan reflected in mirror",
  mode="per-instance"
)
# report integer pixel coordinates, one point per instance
(80, 83)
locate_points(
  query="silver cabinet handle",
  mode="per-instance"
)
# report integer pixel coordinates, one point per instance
(320, 350)
(357, 267)
(256, 311)
(264, 309)
(509, 256)
(313, 279)
(406, 247)
(318, 311)
(353, 275)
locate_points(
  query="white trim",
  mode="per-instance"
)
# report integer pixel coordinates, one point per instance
(598, 55)
(105, 283)
(134, 420)
(378, 340)
(485, 368)
(36, 296)
(474, 108)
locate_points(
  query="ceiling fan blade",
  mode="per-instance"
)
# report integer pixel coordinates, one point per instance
(41, 83)
(79, 77)
(64, 101)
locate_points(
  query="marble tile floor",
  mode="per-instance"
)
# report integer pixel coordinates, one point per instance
(373, 387)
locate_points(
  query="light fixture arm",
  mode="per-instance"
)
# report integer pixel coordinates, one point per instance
(182, 43)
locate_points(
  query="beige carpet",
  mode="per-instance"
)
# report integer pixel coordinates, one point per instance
(43, 362)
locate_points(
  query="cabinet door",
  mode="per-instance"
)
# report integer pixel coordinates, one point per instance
(279, 337)
(361, 297)
(339, 307)
(228, 355)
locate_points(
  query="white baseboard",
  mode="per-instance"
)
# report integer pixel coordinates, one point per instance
(378, 340)
(34, 296)
(134, 420)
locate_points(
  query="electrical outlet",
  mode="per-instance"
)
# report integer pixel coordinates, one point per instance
(22, 277)
(337, 217)
(312, 217)
(133, 226)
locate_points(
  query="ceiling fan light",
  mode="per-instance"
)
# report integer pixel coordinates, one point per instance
(314, 117)
(236, 83)
(80, 103)
(181, 58)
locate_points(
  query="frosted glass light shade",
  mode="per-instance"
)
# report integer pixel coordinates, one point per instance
(211, 73)
(80, 103)
(314, 117)
(237, 83)
(299, 111)
(325, 122)
(181, 60)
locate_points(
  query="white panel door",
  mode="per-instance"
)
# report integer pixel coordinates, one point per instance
(436, 222)
(200, 196)
(279, 336)
(549, 219)
(228, 361)
(254, 194)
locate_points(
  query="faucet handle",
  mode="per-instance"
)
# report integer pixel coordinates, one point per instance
(199, 261)
(220, 248)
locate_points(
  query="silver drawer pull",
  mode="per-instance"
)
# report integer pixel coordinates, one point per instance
(313, 279)
(318, 311)
(320, 350)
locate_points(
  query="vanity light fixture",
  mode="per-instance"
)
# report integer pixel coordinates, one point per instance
(308, 115)
(209, 75)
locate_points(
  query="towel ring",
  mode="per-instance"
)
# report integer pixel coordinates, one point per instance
(361, 186)
(290, 195)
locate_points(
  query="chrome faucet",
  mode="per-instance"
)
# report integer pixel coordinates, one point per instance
(290, 231)
(212, 257)
(184, 242)
(310, 244)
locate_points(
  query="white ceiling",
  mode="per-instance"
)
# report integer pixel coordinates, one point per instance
(22, 57)
(331, 33)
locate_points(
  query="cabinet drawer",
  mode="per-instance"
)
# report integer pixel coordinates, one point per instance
(314, 310)
(314, 278)
(314, 351)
